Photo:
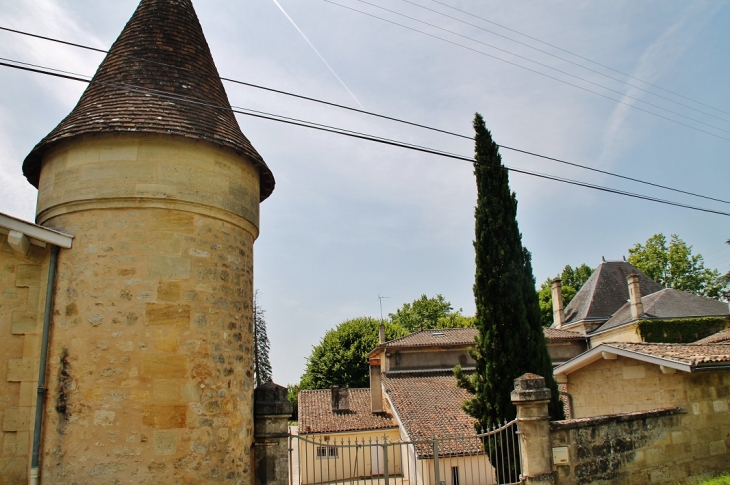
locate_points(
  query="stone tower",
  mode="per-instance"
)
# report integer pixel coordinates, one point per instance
(150, 375)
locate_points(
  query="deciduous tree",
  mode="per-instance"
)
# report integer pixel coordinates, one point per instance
(573, 280)
(674, 266)
(428, 313)
(340, 358)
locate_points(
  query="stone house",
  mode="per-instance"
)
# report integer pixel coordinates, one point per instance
(412, 398)
(148, 208)
(619, 302)
(619, 393)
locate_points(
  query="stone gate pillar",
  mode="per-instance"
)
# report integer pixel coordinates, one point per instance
(531, 398)
(272, 411)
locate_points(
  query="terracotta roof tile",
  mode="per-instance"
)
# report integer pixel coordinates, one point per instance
(723, 336)
(436, 338)
(316, 415)
(692, 354)
(429, 404)
(162, 48)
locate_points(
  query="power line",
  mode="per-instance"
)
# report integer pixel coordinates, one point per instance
(630, 105)
(369, 113)
(560, 58)
(367, 137)
(579, 56)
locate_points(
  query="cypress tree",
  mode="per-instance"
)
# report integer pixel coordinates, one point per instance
(261, 362)
(510, 340)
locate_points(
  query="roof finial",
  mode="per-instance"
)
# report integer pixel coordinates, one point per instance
(603, 258)
(624, 256)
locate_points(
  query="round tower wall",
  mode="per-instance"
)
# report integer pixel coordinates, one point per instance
(151, 364)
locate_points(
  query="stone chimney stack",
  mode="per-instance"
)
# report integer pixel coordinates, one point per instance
(637, 307)
(376, 389)
(558, 309)
(381, 334)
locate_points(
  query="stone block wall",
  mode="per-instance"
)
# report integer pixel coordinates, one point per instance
(623, 385)
(150, 375)
(23, 281)
(151, 369)
(668, 446)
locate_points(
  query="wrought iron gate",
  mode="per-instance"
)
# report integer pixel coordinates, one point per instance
(488, 458)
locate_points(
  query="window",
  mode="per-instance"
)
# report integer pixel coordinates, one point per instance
(327, 452)
(454, 475)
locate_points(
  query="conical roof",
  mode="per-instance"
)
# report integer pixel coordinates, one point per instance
(160, 57)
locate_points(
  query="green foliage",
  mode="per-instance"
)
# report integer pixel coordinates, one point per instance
(545, 297)
(679, 330)
(429, 313)
(674, 266)
(340, 358)
(573, 280)
(292, 394)
(510, 341)
(576, 277)
(262, 364)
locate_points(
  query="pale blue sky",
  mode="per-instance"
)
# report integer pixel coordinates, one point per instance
(350, 220)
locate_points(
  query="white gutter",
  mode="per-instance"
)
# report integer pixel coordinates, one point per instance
(38, 235)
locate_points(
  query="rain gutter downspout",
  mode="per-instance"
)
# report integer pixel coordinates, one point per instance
(40, 400)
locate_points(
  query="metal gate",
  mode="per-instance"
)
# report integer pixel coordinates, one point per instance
(488, 458)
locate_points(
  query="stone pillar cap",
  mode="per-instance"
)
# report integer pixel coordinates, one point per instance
(270, 398)
(530, 387)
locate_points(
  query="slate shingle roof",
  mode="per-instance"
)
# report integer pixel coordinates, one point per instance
(560, 334)
(723, 336)
(429, 404)
(316, 415)
(606, 291)
(167, 33)
(436, 338)
(692, 354)
(669, 303)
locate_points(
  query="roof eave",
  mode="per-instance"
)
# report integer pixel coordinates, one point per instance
(596, 354)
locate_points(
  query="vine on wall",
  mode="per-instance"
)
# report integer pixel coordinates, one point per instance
(679, 330)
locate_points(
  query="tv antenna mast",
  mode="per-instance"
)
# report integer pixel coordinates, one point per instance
(380, 299)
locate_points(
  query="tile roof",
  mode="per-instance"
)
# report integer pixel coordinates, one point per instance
(316, 415)
(723, 336)
(668, 303)
(605, 292)
(429, 404)
(436, 338)
(691, 354)
(560, 334)
(162, 49)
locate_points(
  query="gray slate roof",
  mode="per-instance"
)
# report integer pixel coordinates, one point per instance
(668, 303)
(606, 291)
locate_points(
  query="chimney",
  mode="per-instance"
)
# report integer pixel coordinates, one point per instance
(340, 398)
(376, 389)
(381, 334)
(558, 311)
(637, 308)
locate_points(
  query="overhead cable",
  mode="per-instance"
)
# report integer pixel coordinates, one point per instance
(579, 56)
(370, 113)
(364, 136)
(630, 105)
(564, 59)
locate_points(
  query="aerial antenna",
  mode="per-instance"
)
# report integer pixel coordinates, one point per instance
(380, 299)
